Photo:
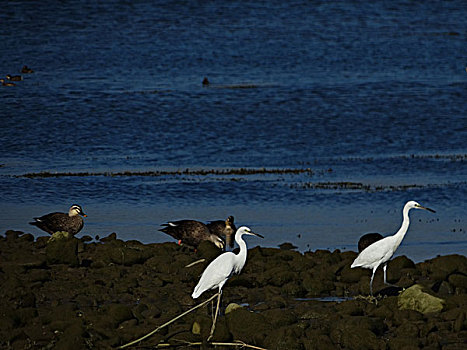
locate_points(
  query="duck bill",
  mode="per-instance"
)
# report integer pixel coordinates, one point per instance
(84, 215)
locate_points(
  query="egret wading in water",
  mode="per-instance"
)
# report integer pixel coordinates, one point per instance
(221, 268)
(382, 250)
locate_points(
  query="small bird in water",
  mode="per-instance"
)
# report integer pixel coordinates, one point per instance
(6, 84)
(225, 229)
(222, 268)
(26, 70)
(382, 251)
(55, 222)
(368, 239)
(14, 77)
(191, 232)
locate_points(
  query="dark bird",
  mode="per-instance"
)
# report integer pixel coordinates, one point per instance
(205, 81)
(191, 232)
(224, 229)
(14, 77)
(6, 84)
(368, 239)
(55, 222)
(26, 70)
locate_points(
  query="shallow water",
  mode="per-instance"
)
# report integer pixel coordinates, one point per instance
(369, 97)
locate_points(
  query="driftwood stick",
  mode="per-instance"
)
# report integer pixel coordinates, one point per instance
(168, 322)
(236, 343)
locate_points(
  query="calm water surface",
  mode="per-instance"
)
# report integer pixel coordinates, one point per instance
(368, 99)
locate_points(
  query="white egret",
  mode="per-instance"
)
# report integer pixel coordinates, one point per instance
(381, 251)
(368, 239)
(221, 268)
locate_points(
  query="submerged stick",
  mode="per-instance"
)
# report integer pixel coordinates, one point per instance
(168, 322)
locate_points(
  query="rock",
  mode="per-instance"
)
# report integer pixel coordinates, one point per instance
(62, 249)
(118, 313)
(111, 237)
(249, 326)
(285, 338)
(208, 250)
(414, 298)
(280, 317)
(458, 281)
(231, 307)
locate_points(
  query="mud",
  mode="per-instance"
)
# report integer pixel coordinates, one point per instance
(87, 294)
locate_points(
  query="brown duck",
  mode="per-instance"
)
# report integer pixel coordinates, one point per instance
(55, 222)
(224, 229)
(191, 232)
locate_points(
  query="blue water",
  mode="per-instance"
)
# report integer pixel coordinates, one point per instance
(367, 93)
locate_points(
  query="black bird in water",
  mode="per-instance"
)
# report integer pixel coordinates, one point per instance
(367, 240)
(191, 232)
(224, 228)
(55, 222)
(14, 77)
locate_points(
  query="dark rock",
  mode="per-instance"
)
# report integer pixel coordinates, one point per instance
(249, 326)
(27, 237)
(111, 237)
(280, 317)
(287, 246)
(208, 250)
(11, 235)
(117, 313)
(459, 282)
(62, 250)
(285, 338)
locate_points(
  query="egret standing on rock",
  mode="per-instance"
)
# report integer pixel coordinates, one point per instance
(221, 268)
(381, 251)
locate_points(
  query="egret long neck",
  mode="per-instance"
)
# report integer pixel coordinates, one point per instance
(399, 236)
(241, 256)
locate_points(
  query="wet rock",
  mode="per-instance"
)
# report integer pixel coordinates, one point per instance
(208, 251)
(459, 282)
(280, 317)
(12, 235)
(117, 313)
(349, 275)
(62, 249)
(287, 246)
(285, 338)
(111, 237)
(414, 298)
(440, 268)
(354, 335)
(248, 326)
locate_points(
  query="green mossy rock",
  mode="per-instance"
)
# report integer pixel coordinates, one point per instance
(414, 298)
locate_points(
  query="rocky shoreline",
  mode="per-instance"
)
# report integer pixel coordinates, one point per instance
(69, 293)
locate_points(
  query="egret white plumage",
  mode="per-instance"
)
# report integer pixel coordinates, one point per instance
(222, 268)
(382, 251)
